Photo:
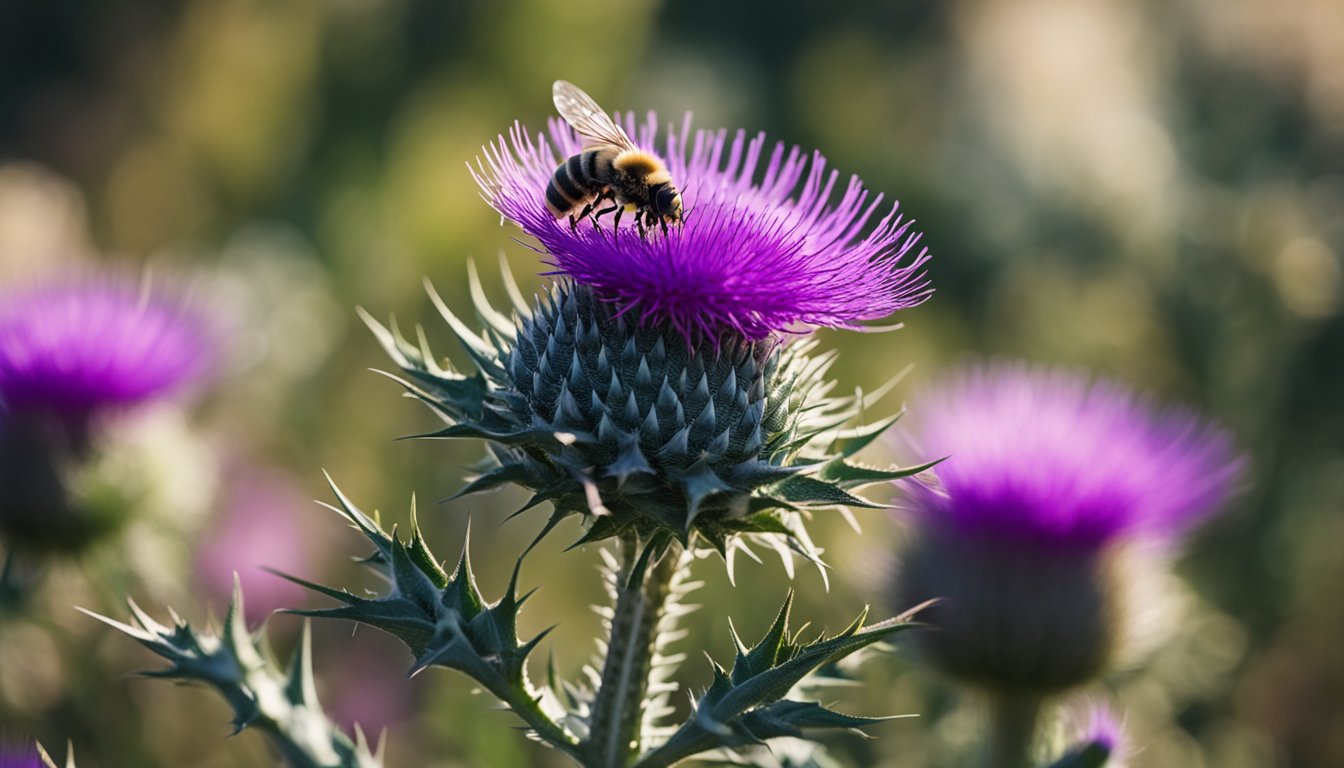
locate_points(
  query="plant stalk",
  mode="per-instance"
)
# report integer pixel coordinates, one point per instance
(1013, 721)
(618, 708)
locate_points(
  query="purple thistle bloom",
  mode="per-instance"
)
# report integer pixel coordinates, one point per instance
(760, 251)
(1051, 456)
(1095, 725)
(70, 352)
(21, 757)
(1024, 529)
(79, 347)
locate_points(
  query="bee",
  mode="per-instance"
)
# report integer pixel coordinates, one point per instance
(610, 169)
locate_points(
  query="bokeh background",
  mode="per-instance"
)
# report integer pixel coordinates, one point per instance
(1153, 190)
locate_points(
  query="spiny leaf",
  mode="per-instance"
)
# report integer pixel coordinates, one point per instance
(850, 475)
(855, 440)
(790, 718)
(234, 662)
(750, 705)
(445, 621)
(810, 490)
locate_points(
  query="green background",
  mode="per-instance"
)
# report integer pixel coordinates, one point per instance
(1152, 190)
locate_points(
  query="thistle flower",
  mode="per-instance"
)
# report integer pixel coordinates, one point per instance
(1048, 473)
(22, 757)
(1052, 480)
(80, 348)
(649, 389)
(32, 756)
(763, 250)
(1097, 730)
(71, 353)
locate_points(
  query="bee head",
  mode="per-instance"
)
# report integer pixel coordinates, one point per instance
(667, 203)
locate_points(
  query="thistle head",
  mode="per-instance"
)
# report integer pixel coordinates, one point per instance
(1095, 736)
(764, 246)
(624, 424)
(77, 349)
(21, 757)
(649, 390)
(1052, 480)
(33, 755)
(1098, 725)
(73, 354)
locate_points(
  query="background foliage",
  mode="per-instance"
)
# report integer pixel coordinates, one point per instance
(1154, 190)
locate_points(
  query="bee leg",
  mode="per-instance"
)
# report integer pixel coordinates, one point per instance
(639, 223)
(587, 209)
(662, 222)
(616, 222)
(593, 206)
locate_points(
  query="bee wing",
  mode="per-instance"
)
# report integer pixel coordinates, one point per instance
(585, 116)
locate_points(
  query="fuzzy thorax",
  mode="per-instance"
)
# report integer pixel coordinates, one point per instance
(642, 166)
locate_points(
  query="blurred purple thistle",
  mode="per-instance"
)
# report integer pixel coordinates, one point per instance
(72, 351)
(1053, 457)
(21, 757)
(80, 347)
(258, 528)
(1024, 530)
(760, 252)
(1097, 724)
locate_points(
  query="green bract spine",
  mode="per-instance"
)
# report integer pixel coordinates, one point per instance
(643, 435)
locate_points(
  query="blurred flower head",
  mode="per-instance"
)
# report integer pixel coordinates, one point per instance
(79, 347)
(258, 527)
(1025, 529)
(73, 352)
(1096, 737)
(21, 757)
(365, 690)
(763, 248)
(1054, 457)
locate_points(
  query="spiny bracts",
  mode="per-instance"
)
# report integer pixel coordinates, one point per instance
(238, 664)
(645, 436)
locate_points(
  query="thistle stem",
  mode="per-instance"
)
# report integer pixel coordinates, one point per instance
(618, 709)
(1013, 719)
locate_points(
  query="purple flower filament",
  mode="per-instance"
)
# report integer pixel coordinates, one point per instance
(80, 347)
(26, 757)
(761, 251)
(1052, 457)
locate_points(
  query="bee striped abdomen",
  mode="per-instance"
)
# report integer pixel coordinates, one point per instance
(575, 182)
